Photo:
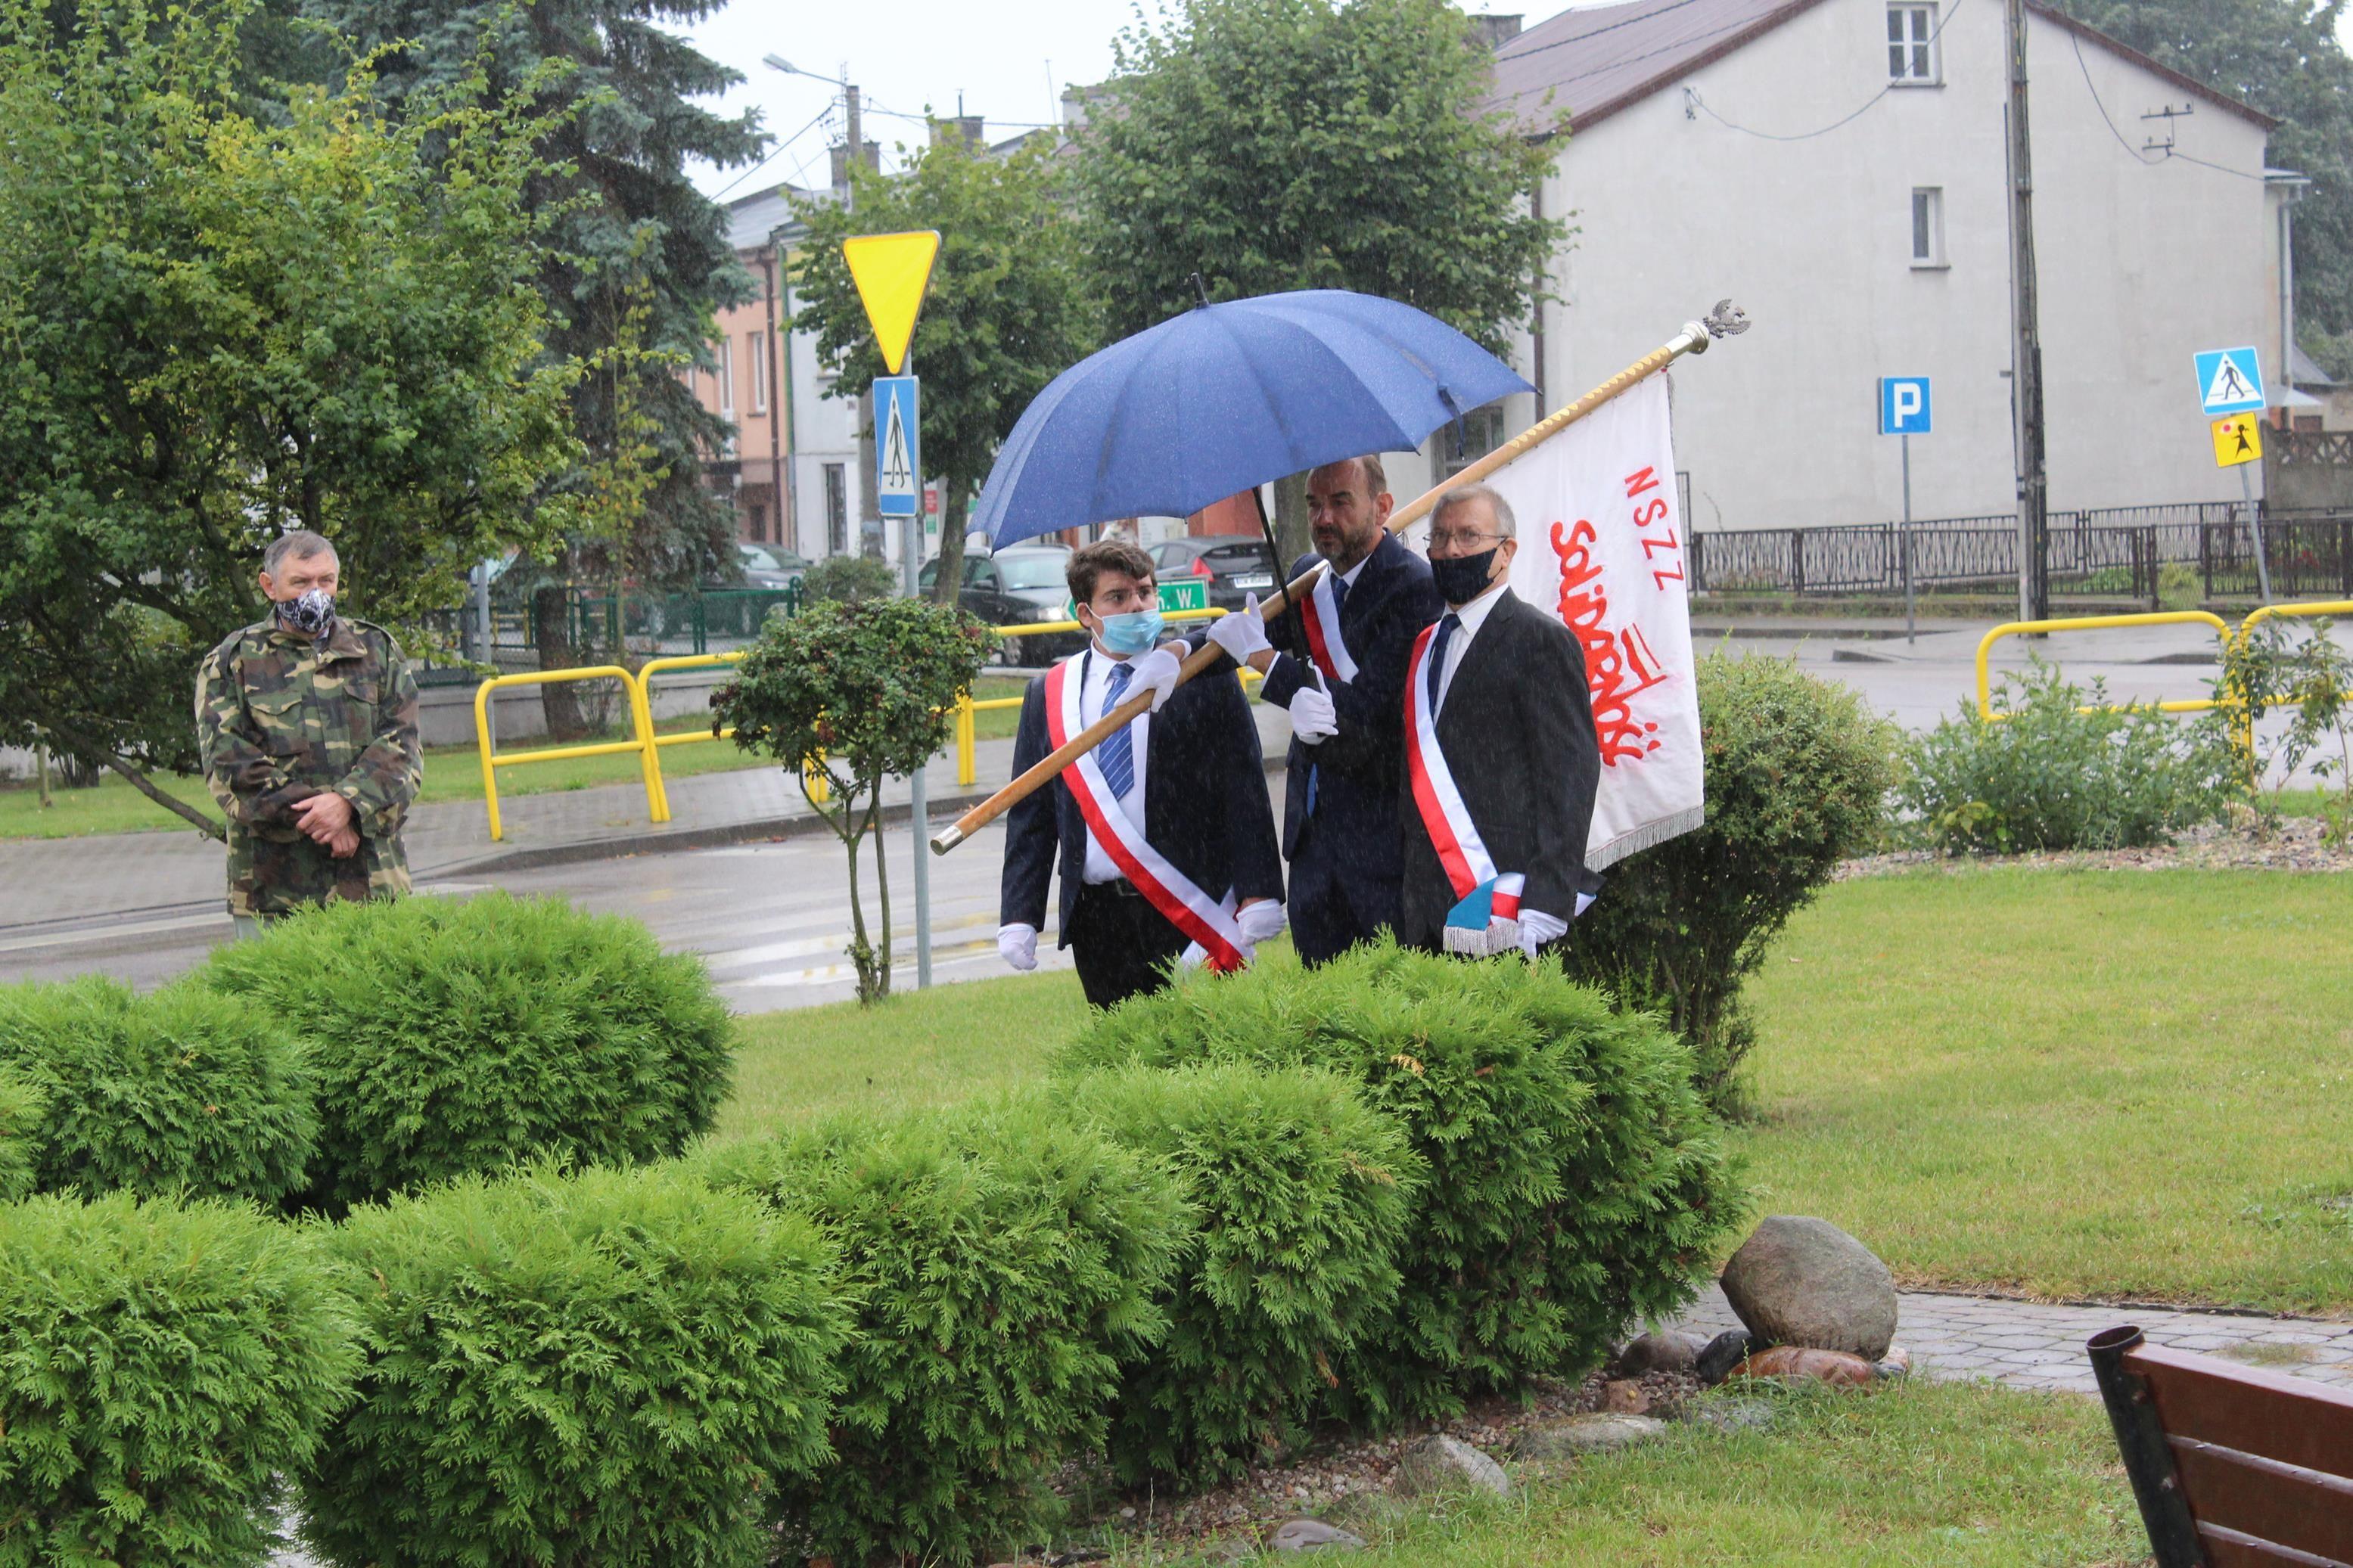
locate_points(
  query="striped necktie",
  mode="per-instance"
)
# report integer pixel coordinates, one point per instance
(1117, 754)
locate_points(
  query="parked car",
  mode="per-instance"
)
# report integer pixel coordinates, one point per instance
(770, 565)
(1014, 588)
(1233, 566)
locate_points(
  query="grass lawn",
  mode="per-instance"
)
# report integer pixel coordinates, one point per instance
(451, 774)
(2103, 1083)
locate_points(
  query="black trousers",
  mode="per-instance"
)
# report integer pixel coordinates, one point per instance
(1121, 945)
(1331, 913)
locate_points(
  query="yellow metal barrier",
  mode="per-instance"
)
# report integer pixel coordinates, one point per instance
(813, 777)
(640, 726)
(2093, 624)
(2270, 612)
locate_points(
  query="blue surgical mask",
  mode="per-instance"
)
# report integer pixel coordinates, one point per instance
(1136, 632)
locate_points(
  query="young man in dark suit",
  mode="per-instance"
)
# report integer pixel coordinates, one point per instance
(1501, 756)
(1162, 833)
(1340, 801)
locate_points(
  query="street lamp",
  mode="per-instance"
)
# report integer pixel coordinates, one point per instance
(850, 105)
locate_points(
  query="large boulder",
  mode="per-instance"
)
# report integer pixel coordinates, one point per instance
(1805, 1282)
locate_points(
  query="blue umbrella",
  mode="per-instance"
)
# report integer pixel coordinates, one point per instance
(1227, 396)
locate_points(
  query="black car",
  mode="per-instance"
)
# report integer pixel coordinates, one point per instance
(1232, 566)
(1015, 587)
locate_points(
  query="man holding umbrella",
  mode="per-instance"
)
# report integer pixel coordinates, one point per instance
(1340, 809)
(1163, 832)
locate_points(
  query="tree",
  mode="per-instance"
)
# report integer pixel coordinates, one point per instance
(1277, 144)
(855, 691)
(639, 263)
(213, 328)
(2284, 58)
(1008, 308)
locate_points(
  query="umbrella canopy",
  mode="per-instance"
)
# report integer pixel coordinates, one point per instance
(1227, 397)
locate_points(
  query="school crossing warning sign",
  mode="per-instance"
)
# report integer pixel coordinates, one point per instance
(2238, 439)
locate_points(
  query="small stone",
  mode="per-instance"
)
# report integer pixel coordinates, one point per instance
(1733, 1415)
(1896, 1362)
(1663, 1350)
(1805, 1282)
(1581, 1435)
(1447, 1464)
(1625, 1396)
(1796, 1363)
(1312, 1535)
(1724, 1353)
(1128, 1513)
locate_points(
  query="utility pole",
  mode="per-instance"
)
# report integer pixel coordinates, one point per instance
(2026, 376)
(857, 142)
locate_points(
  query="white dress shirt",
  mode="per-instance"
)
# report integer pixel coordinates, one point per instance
(1473, 615)
(1094, 694)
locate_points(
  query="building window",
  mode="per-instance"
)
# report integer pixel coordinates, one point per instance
(837, 509)
(727, 378)
(1927, 225)
(1468, 439)
(1911, 54)
(755, 348)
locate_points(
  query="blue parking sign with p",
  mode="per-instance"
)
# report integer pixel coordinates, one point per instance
(1904, 405)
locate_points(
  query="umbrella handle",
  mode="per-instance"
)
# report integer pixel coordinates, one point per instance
(1725, 321)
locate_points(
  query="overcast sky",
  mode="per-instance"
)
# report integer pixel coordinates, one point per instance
(1006, 60)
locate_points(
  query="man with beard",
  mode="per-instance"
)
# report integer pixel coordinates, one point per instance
(1340, 824)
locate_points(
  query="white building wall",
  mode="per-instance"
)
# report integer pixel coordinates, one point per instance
(2139, 266)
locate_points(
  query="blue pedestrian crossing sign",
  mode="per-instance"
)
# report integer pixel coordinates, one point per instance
(2231, 381)
(898, 451)
(1904, 405)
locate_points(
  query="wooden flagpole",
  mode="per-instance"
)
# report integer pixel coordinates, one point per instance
(1725, 321)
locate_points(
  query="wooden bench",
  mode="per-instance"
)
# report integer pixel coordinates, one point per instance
(2233, 1467)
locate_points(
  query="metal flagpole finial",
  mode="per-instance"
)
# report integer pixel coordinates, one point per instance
(1726, 321)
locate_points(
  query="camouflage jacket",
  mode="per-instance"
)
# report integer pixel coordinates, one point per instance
(280, 718)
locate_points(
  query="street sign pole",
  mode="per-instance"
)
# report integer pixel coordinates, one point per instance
(919, 815)
(1910, 631)
(2255, 527)
(1904, 407)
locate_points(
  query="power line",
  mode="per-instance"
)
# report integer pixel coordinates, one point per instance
(2139, 154)
(774, 153)
(1691, 96)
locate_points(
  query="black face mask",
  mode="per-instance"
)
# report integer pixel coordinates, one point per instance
(308, 614)
(1462, 578)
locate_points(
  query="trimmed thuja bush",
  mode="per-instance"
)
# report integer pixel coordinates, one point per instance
(450, 1037)
(1006, 1263)
(607, 1367)
(20, 1126)
(181, 1091)
(162, 1367)
(1576, 1178)
(1798, 776)
(1304, 1194)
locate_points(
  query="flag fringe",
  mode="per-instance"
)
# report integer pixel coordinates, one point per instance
(1644, 838)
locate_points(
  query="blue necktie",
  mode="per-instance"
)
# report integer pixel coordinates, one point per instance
(1446, 630)
(1117, 754)
(1339, 602)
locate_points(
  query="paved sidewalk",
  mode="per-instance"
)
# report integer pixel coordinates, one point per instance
(2030, 1344)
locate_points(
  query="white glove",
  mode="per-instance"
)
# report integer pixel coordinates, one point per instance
(1155, 672)
(1259, 920)
(1018, 945)
(1538, 928)
(1241, 634)
(1313, 718)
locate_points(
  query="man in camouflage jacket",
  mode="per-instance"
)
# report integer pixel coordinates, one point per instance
(307, 722)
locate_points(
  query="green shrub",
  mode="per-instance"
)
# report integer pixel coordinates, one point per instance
(1304, 1194)
(2179, 586)
(1798, 773)
(162, 1367)
(1576, 1178)
(21, 1105)
(849, 579)
(179, 1091)
(1007, 1263)
(603, 1367)
(2047, 775)
(450, 1037)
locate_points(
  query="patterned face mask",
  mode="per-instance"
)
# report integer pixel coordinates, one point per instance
(309, 614)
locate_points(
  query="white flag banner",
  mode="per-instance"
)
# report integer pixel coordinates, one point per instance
(1602, 546)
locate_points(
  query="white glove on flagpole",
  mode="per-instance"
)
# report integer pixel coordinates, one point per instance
(1155, 672)
(1538, 928)
(1313, 718)
(1261, 920)
(1018, 945)
(1241, 633)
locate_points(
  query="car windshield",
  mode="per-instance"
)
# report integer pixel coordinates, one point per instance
(756, 559)
(1030, 572)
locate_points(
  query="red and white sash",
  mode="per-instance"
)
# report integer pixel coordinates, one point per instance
(1448, 821)
(1174, 894)
(1319, 612)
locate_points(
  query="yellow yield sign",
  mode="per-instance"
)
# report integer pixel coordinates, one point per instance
(892, 272)
(2237, 438)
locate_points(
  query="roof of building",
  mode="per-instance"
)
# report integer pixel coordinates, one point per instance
(1591, 62)
(2305, 370)
(751, 219)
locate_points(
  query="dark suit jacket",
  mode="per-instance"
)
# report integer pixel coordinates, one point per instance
(1205, 803)
(1517, 730)
(1357, 770)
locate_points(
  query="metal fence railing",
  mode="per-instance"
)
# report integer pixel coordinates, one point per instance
(599, 627)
